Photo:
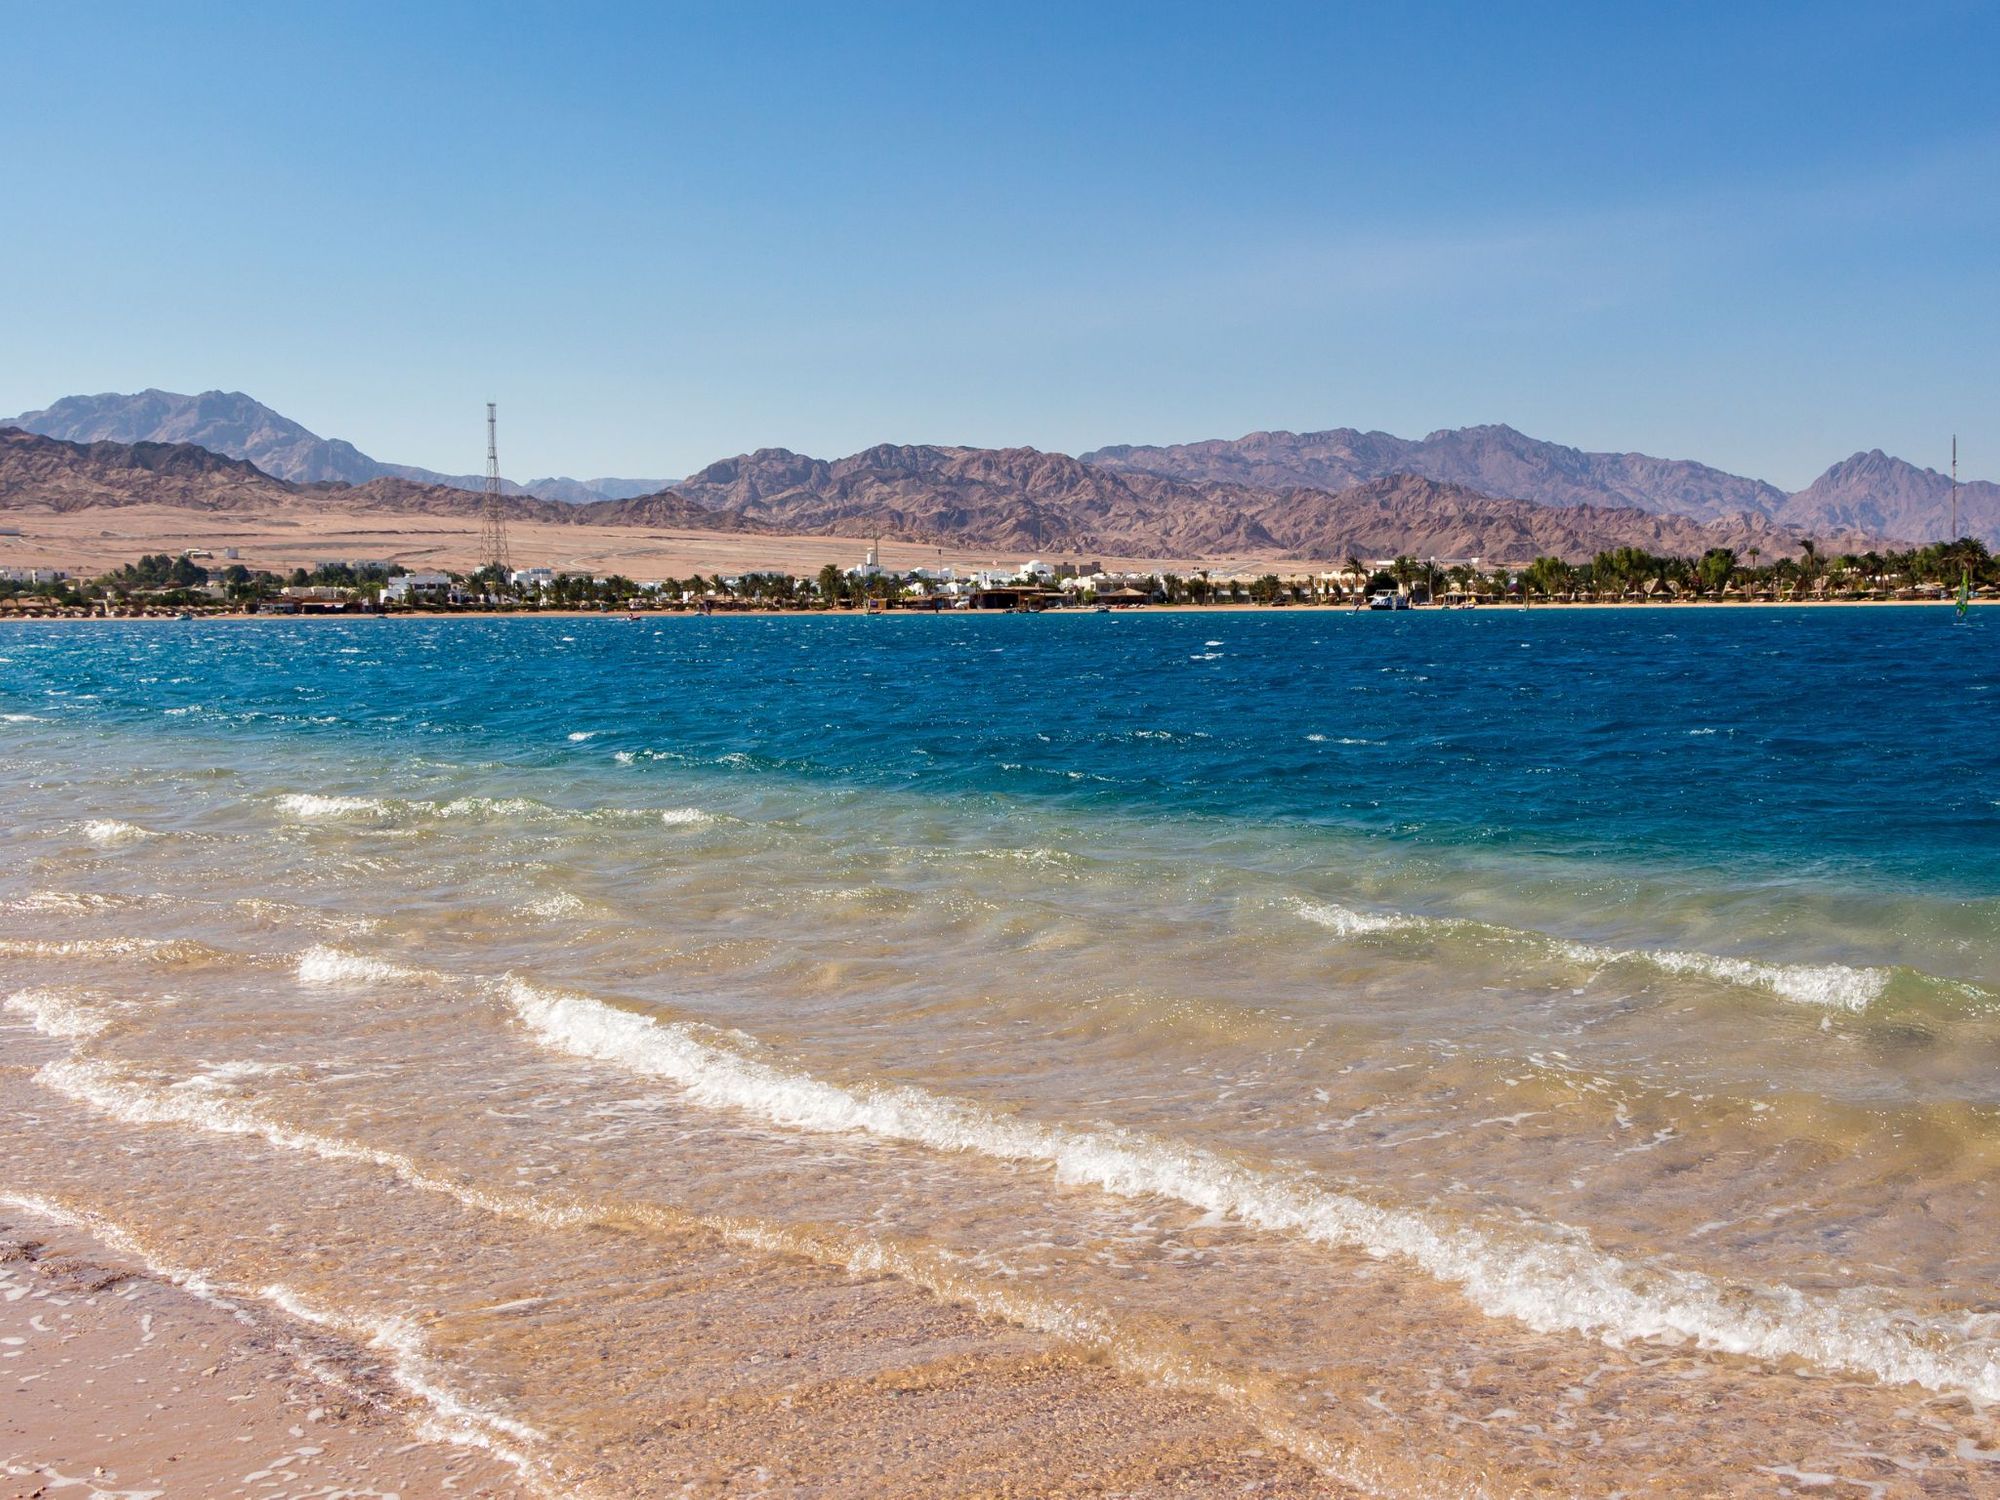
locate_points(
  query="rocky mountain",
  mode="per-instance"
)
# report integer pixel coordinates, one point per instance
(238, 426)
(1406, 513)
(1889, 497)
(1011, 500)
(1493, 460)
(1023, 500)
(53, 474)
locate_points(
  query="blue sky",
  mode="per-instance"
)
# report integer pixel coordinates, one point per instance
(1763, 235)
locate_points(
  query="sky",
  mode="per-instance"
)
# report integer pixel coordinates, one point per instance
(1763, 236)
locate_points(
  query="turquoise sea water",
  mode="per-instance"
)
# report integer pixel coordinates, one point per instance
(1849, 745)
(1303, 1008)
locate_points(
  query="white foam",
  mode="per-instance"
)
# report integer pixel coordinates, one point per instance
(22, 719)
(578, 736)
(560, 904)
(321, 965)
(683, 817)
(479, 807)
(1551, 1278)
(450, 1418)
(1835, 986)
(59, 1013)
(1346, 922)
(107, 832)
(446, 1418)
(315, 805)
(71, 903)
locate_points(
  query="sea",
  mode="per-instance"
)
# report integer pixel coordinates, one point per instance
(1485, 1052)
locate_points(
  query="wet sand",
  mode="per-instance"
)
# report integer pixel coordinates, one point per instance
(118, 1383)
(130, 1387)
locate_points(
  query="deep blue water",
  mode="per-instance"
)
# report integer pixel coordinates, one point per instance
(1855, 745)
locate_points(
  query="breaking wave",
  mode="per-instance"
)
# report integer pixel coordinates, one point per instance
(1836, 986)
(108, 832)
(314, 805)
(321, 965)
(1551, 1279)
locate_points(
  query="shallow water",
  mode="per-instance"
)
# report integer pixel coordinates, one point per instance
(1474, 1052)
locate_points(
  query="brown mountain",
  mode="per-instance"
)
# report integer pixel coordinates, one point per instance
(1020, 499)
(1404, 513)
(1493, 460)
(1886, 496)
(1012, 500)
(63, 476)
(239, 426)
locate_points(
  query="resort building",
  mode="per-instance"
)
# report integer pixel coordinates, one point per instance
(420, 588)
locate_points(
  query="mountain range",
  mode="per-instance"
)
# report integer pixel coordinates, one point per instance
(1476, 491)
(56, 475)
(1009, 500)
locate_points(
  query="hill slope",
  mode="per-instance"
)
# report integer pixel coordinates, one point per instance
(1889, 497)
(1493, 460)
(54, 474)
(238, 426)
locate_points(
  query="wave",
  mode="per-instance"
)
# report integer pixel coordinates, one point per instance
(153, 950)
(1836, 986)
(64, 1014)
(1551, 1280)
(319, 807)
(1348, 922)
(22, 719)
(109, 832)
(315, 805)
(74, 903)
(102, 1087)
(321, 965)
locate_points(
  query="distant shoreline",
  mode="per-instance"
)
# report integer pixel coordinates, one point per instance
(1679, 605)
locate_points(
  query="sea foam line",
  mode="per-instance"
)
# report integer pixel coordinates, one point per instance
(447, 1418)
(1557, 1280)
(1836, 986)
(101, 1086)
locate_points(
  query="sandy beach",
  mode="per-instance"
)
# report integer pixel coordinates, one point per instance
(121, 1384)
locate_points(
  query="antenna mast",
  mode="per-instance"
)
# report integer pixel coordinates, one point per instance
(1954, 488)
(493, 520)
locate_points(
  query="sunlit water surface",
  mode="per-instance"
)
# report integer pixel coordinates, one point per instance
(1479, 1051)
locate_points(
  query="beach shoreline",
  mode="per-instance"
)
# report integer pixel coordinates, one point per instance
(119, 1381)
(1567, 605)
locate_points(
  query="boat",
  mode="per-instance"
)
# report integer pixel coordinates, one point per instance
(1389, 600)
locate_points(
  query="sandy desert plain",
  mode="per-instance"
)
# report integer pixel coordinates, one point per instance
(90, 542)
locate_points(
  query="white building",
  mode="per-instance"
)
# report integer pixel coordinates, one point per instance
(32, 575)
(419, 588)
(871, 566)
(532, 578)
